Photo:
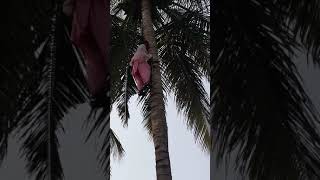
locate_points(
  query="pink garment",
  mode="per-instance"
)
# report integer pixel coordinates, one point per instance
(141, 70)
(90, 33)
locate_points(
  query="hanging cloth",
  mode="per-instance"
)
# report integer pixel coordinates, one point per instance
(90, 33)
(141, 70)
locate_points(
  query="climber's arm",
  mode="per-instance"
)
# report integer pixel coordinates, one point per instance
(149, 56)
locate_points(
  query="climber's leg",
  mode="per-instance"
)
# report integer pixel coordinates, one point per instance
(137, 79)
(145, 72)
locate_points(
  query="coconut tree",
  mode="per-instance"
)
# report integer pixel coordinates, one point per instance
(42, 79)
(178, 35)
(260, 110)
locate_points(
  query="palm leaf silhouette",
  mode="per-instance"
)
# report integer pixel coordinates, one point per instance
(258, 103)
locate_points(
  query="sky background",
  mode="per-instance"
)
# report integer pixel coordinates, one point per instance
(188, 160)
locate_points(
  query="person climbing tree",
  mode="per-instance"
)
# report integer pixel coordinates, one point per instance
(141, 69)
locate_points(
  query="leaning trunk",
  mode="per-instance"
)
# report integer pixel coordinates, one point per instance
(158, 119)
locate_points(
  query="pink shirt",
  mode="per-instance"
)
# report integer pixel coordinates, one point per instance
(90, 33)
(140, 56)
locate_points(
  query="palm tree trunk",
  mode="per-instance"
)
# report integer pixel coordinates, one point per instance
(158, 118)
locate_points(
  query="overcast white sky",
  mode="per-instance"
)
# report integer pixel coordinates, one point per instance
(188, 161)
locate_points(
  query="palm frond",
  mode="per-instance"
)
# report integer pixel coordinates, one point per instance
(146, 110)
(304, 19)
(184, 50)
(7, 109)
(202, 5)
(184, 80)
(21, 33)
(117, 149)
(123, 45)
(99, 120)
(127, 91)
(187, 32)
(101, 125)
(258, 103)
(60, 88)
(3, 138)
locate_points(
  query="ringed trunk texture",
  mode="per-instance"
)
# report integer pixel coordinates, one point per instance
(158, 118)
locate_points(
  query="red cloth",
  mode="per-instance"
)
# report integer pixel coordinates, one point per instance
(141, 70)
(91, 34)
